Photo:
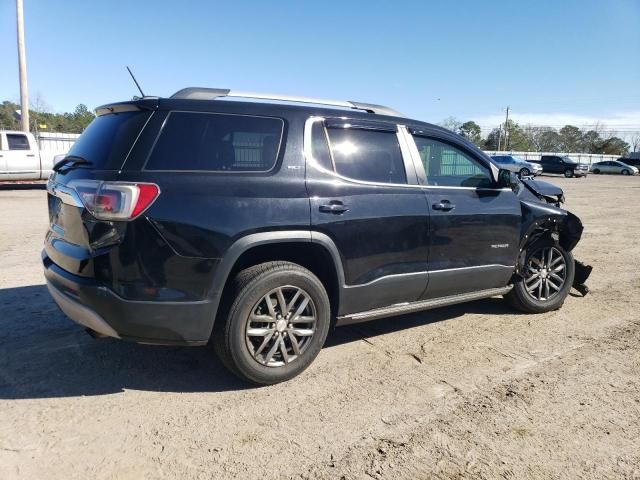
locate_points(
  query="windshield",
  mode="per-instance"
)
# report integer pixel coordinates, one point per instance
(568, 160)
(502, 159)
(519, 160)
(107, 140)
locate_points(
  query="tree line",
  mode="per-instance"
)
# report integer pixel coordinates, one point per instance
(41, 120)
(514, 137)
(530, 138)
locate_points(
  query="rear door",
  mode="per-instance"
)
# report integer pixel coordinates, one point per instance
(364, 195)
(21, 157)
(474, 225)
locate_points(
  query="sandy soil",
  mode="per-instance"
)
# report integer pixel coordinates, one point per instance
(473, 391)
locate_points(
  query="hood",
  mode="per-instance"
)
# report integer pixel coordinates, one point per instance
(543, 191)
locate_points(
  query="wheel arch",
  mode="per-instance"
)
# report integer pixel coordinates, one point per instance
(313, 250)
(546, 224)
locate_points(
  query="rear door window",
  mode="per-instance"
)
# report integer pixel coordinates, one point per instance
(191, 141)
(16, 141)
(368, 155)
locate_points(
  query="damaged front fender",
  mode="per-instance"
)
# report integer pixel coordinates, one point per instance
(544, 223)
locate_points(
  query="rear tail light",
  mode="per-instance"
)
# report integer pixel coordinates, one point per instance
(116, 200)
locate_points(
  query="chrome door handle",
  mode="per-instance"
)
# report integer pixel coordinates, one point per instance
(444, 205)
(334, 206)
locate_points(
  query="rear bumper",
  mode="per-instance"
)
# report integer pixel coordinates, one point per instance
(96, 307)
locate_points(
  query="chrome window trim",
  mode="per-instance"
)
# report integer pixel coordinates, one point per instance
(136, 141)
(407, 159)
(306, 151)
(493, 170)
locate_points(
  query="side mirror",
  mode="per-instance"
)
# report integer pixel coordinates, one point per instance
(507, 179)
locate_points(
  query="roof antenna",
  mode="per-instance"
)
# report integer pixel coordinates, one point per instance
(135, 81)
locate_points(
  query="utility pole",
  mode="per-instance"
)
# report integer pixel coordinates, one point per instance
(507, 138)
(22, 66)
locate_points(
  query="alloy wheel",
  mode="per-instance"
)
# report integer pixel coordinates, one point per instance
(545, 275)
(281, 326)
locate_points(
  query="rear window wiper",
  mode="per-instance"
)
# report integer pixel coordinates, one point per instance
(71, 161)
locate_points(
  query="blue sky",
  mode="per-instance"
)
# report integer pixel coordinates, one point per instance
(549, 60)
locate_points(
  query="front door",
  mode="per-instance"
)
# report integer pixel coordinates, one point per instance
(364, 195)
(474, 225)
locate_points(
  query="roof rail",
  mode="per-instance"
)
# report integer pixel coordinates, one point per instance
(197, 93)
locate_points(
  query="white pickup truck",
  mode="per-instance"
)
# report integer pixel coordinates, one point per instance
(22, 157)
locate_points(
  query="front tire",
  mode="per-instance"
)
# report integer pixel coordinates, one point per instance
(568, 173)
(524, 173)
(596, 171)
(546, 280)
(626, 172)
(276, 325)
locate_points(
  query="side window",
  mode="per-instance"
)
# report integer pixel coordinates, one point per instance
(368, 155)
(16, 141)
(445, 165)
(319, 146)
(217, 142)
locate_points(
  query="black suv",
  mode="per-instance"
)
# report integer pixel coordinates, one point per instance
(257, 226)
(562, 164)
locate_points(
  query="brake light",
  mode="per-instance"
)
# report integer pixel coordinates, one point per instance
(116, 200)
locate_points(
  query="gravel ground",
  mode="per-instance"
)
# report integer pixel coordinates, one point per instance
(473, 391)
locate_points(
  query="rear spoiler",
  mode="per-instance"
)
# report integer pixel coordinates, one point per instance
(145, 103)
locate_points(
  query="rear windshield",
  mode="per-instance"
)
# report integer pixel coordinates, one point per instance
(217, 142)
(107, 140)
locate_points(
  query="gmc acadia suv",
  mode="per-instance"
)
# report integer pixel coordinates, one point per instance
(257, 225)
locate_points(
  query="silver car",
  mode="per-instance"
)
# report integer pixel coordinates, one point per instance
(517, 165)
(614, 166)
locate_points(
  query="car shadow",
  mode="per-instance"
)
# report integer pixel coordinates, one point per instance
(43, 354)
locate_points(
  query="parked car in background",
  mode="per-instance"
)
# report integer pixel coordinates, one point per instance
(633, 161)
(517, 165)
(258, 226)
(614, 166)
(22, 159)
(563, 165)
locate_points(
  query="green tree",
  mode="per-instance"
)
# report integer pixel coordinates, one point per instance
(571, 138)
(549, 141)
(590, 141)
(471, 131)
(612, 146)
(491, 143)
(74, 122)
(517, 139)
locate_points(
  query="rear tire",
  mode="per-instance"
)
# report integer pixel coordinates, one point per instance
(568, 173)
(546, 282)
(266, 344)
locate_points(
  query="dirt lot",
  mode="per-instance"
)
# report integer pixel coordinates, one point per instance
(474, 391)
